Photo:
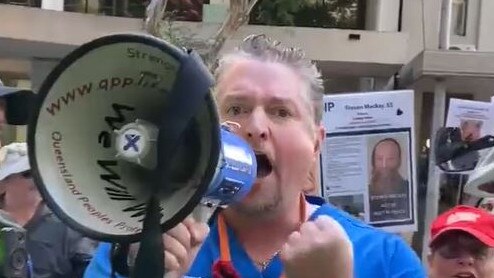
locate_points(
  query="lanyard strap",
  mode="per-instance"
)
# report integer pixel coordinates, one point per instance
(225, 255)
(223, 236)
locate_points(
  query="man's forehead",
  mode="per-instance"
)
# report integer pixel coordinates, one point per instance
(387, 145)
(241, 97)
(246, 73)
(471, 123)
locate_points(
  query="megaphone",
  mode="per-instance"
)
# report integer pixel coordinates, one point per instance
(126, 130)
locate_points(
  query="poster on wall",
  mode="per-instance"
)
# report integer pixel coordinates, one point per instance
(474, 118)
(367, 165)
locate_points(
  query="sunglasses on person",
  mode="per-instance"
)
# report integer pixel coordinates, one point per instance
(26, 174)
(456, 252)
(462, 246)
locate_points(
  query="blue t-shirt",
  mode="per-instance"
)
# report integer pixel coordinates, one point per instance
(376, 253)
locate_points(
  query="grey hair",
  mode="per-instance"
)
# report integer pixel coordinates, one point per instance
(262, 48)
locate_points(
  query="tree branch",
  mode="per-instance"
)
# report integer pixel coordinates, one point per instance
(237, 16)
(155, 12)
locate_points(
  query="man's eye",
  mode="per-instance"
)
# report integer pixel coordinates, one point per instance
(483, 253)
(283, 112)
(234, 110)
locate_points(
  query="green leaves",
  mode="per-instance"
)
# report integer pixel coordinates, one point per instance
(347, 14)
(276, 12)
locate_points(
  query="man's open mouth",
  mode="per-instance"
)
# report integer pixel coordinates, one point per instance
(264, 166)
(465, 275)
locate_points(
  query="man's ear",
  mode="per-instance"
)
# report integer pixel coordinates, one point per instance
(430, 258)
(319, 138)
(3, 188)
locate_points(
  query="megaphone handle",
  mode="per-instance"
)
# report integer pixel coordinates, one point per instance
(150, 257)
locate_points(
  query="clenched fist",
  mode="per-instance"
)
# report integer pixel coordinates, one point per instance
(321, 249)
(182, 244)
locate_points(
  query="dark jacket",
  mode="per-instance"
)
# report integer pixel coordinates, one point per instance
(56, 250)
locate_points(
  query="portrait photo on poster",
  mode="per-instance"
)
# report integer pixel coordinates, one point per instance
(389, 178)
(471, 129)
(473, 118)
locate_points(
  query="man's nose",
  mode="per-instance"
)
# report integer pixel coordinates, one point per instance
(466, 260)
(257, 126)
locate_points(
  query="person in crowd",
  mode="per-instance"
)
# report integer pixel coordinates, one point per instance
(55, 250)
(462, 244)
(275, 94)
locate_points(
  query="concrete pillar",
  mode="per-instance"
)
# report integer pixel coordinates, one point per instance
(382, 15)
(366, 84)
(434, 177)
(40, 68)
(445, 27)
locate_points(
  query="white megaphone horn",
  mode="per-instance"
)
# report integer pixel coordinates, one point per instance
(125, 142)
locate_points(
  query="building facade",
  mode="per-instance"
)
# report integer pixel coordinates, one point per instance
(438, 48)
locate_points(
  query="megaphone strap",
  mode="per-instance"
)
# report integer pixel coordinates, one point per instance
(150, 257)
(182, 105)
(223, 237)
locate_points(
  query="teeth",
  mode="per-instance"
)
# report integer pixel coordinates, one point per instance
(465, 275)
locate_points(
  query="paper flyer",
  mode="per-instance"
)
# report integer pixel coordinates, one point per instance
(474, 118)
(367, 165)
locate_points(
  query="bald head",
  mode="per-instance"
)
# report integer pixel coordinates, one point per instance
(386, 156)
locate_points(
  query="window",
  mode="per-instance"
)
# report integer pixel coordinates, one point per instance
(459, 17)
(27, 3)
(344, 14)
(190, 10)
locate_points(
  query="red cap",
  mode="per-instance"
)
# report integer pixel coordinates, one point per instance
(477, 222)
